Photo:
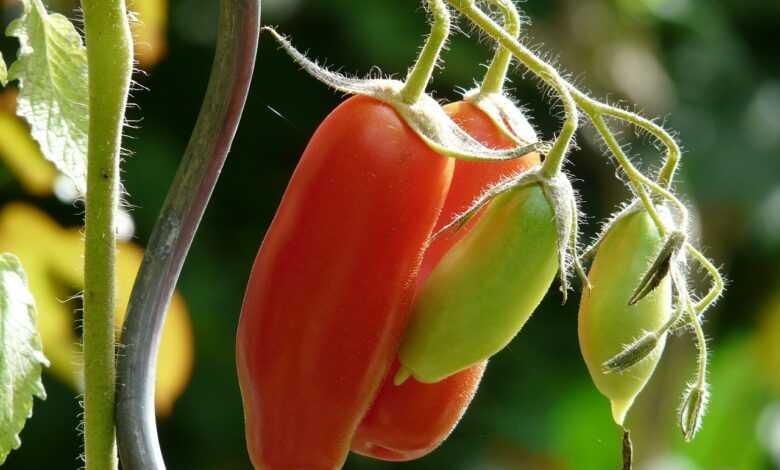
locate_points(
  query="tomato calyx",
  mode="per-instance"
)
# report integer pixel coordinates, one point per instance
(562, 199)
(505, 114)
(425, 116)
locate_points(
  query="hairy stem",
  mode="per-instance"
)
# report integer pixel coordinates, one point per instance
(591, 106)
(555, 157)
(717, 280)
(632, 173)
(496, 73)
(110, 58)
(666, 175)
(422, 71)
(231, 74)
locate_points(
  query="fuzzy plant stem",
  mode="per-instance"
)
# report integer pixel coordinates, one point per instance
(496, 73)
(589, 105)
(555, 157)
(110, 58)
(420, 74)
(231, 74)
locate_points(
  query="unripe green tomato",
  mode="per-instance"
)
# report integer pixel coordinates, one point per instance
(607, 323)
(483, 291)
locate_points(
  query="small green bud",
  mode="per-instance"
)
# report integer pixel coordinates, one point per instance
(692, 410)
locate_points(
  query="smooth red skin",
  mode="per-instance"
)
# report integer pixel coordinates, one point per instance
(409, 421)
(331, 287)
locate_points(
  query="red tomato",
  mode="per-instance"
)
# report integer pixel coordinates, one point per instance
(409, 421)
(331, 287)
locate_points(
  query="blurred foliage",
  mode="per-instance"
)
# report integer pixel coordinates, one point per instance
(709, 70)
(53, 259)
(19, 151)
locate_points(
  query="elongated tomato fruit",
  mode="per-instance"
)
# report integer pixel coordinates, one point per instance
(607, 323)
(329, 292)
(410, 420)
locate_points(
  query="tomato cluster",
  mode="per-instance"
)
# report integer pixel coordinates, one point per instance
(412, 244)
(349, 239)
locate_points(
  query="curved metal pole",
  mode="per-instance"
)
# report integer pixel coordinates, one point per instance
(231, 74)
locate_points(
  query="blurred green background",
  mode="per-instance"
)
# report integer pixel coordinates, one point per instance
(709, 70)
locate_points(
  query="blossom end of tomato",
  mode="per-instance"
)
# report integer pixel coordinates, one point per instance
(620, 409)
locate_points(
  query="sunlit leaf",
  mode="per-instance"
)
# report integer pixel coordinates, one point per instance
(21, 154)
(52, 72)
(53, 257)
(149, 30)
(21, 355)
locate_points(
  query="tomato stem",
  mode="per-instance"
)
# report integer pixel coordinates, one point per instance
(631, 172)
(555, 157)
(420, 74)
(231, 74)
(110, 61)
(496, 73)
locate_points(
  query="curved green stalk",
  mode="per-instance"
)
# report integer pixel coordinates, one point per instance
(666, 175)
(496, 73)
(631, 172)
(717, 280)
(554, 160)
(420, 74)
(110, 59)
(701, 343)
(180, 215)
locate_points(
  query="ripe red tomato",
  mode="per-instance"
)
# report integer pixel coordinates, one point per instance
(331, 287)
(409, 421)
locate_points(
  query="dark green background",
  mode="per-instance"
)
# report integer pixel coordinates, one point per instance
(708, 69)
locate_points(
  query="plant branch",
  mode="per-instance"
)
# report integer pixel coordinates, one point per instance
(555, 157)
(589, 105)
(420, 74)
(110, 58)
(231, 74)
(496, 73)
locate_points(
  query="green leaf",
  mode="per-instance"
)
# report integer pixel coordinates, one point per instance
(21, 354)
(52, 73)
(3, 71)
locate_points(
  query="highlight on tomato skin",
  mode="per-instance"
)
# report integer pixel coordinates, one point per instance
(331, 287)
(409, 421)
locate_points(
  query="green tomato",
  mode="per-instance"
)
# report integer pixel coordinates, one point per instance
(607, 323)
(483, 291)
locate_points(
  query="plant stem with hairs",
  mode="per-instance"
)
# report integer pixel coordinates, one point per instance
(110, 59)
